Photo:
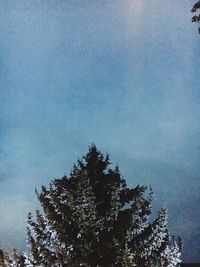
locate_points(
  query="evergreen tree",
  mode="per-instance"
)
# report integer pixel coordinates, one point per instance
(92, 218)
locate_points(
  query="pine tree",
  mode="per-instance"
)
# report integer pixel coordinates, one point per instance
(92, 218)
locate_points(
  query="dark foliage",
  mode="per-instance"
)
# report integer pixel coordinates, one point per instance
(196, 18)
(91, 218)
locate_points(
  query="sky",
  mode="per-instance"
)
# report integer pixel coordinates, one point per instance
(121, 74)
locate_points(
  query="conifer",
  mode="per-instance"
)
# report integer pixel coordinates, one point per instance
(91, 218)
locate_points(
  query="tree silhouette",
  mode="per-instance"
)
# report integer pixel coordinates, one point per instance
(92, 218)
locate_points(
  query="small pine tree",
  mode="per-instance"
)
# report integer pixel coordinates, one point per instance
(92, 218)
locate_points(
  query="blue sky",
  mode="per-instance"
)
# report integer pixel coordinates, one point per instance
(121, 74)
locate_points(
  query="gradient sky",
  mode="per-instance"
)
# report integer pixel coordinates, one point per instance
(121, 74)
